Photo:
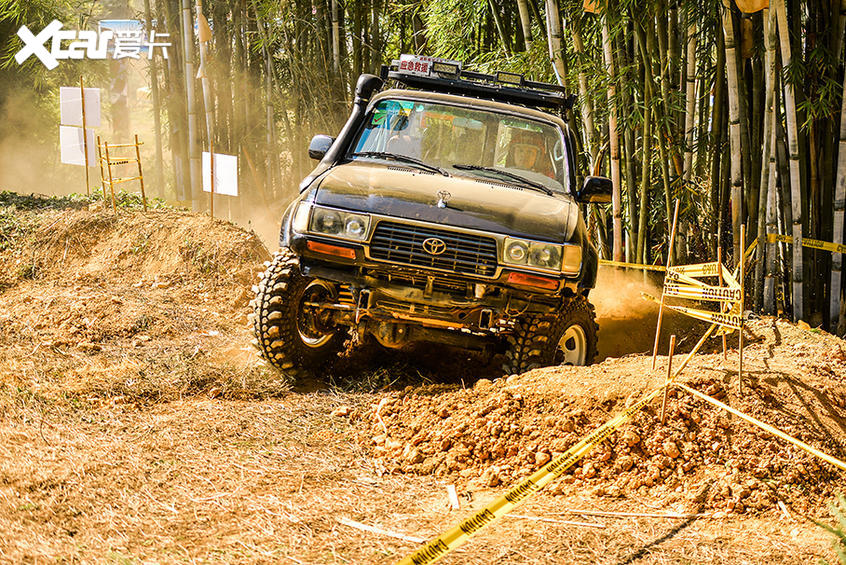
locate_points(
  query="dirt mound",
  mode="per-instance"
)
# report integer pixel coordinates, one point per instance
(143, 306)
(501, 430)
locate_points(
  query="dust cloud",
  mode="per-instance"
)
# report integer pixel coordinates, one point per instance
(29, 135)
(626, 320)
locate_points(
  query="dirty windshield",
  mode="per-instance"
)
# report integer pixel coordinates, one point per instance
(468, 142)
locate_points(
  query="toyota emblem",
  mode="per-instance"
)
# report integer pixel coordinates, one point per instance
(434, 246)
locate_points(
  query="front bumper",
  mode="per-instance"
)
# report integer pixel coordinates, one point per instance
(401, 294)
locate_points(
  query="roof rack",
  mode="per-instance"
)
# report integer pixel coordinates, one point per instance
(442, 75)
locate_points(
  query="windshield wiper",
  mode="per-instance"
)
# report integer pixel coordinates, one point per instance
(402, 159)
(512, 176)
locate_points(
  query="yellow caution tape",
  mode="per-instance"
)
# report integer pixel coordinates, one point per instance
(705, 292)
(697, 270)
(674, 277)
(734, 321)
(808, 242)
(773, 430)
(632, 265)
(729, 279)
(449, 540)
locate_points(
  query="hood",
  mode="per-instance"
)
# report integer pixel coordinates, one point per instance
(480, 204)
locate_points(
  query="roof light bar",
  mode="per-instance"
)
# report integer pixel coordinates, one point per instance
(443, 75)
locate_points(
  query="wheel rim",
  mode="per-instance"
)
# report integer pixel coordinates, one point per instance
(311, 325)
(572, 347)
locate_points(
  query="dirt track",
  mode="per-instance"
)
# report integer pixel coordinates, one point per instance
(136, 423)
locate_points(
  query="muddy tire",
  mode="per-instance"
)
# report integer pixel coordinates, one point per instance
(289, 335)
(569, 338)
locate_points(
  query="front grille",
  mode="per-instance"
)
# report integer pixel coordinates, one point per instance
(403, 243)
(439, 283)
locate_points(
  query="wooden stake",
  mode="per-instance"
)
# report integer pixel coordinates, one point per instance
(661, 307)
(742, 297)
(84, 136)
(667, 380)
(111, 180)
(140, 174)
(102, 172)
(722, 304)
(211, 166)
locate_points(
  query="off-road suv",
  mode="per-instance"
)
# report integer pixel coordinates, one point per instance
(444, 212)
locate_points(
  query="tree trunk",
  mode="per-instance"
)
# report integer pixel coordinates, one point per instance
(614, 142)
(793, 154)
(734, 131)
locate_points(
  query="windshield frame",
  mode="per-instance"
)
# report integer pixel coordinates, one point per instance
(567, 178)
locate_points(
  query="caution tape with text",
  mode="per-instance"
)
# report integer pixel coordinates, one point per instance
(808, 242)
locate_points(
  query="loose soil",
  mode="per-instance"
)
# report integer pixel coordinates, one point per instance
(137, 424)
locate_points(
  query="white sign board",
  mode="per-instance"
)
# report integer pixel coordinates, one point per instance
(70, 106)
(72, 148)
(225, 174)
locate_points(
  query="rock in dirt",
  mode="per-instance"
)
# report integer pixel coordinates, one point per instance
(341, 411)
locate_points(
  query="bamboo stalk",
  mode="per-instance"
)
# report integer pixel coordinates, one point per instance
(156, 99)
(690, 102)
(614, 143)
(194, 171)
(839, 209)
(585, 106)
(763, 193)
(793, 155)
(772, 206)
(525, 23)
(734, 130)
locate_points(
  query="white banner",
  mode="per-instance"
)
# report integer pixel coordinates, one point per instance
(225, 174)
(70, 106)
(72, 148)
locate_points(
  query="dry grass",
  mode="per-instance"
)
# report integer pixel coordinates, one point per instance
(136, 424)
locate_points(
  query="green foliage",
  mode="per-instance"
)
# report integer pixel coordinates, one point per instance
(838, 532)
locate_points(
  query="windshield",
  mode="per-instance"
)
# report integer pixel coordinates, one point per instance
(466, 141)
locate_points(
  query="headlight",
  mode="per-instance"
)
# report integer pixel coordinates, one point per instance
(341, 224)
(300, 223)
(565, 258)
(516, 252)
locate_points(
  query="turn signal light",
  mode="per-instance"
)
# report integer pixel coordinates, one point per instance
(327, 249)
(524, 279)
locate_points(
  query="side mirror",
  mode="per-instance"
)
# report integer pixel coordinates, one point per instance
(319, 145)
(595, 190)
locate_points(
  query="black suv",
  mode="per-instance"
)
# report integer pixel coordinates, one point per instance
(444, 212)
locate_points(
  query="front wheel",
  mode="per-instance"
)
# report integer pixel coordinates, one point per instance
(568, 338)
(292, 332)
